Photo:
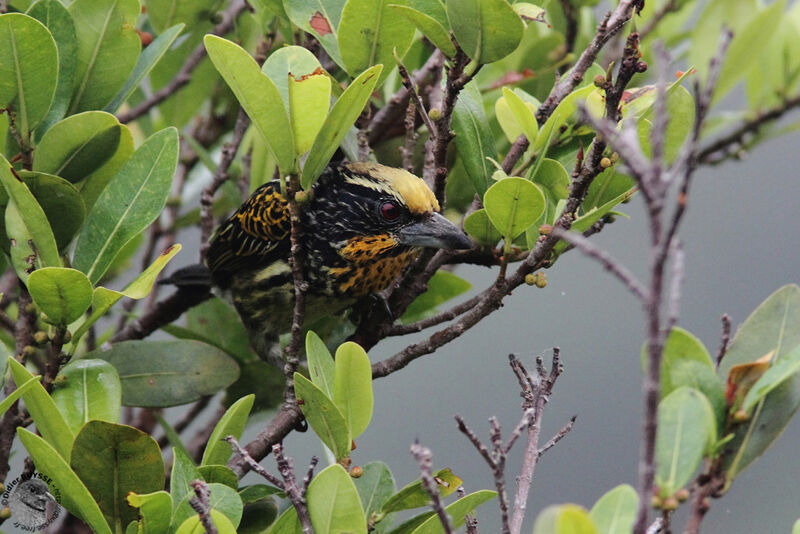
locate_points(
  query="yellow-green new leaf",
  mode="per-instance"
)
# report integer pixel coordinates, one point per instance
(352, 387)
(334, 504)
(324, 417)
(309, 99)
(320, 363)
(340, 119)
(524, 114)
(258, 96)
(232, 423)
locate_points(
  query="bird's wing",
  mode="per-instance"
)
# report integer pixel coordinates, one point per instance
(257, 234)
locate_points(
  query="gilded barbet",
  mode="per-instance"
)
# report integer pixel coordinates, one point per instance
(361, 227)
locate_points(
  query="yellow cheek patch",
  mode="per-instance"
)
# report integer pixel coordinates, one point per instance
(414, 192)
(363, 248)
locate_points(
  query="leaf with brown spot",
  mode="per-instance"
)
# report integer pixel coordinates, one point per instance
(320, 24)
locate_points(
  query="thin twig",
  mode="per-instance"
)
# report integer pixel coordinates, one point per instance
(292, 352)
(295, 493)
(184, 75)
(239, 452)
(200, 504)
(423, 456)
(725, 339)
(559, 436)
(412, 91)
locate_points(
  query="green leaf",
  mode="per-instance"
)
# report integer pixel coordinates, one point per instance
(28, 69)
(414, 495)
(155, 510)
(340, 119)
(309, 99)
(192, 13)
(108, 48)
(168, 373)
(408, 526)
(49, 421)
(474, 138)
(132, 200)
(772, 326)
(704, 379)
(61, 293)
(61, 202)
(35, 244)
(95, 183)
(739, 58)
(523, 114)
(17, 393)
(216, 322)
(368, 33)
(258, 96)
(457, 510)
(258, 516)
(608, 185)
(192, 525)
(429, 27)
(513, 204)
(74, 495)
(287, 523)
(87, 390)
(375, 486)
(481, 229)
(180, 481)
(352, 387)
(232, 423)
(680, 346)
(333, 502)
(114, 460)
(680, 110)
(442, 287)
(781, 371)
(321, 19)
(222, 499)
(324, 417)
(549, 132)
(574, 519)
(615, 511)
(103, 298)
(55, 16)
(320, 363)
(290, 60)
(487, 30)
(147, 60)
(219, 474)
(685, 428)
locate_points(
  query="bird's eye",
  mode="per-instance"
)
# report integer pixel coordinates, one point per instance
(390, 211)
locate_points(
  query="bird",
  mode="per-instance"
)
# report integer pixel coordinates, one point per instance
(28, 503)
(362, 225)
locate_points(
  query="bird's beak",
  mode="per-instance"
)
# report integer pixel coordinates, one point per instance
(434, 231)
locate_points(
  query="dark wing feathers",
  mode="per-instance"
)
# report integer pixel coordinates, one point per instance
(256, 235)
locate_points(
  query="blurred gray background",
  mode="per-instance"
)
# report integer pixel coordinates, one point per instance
(741, 240)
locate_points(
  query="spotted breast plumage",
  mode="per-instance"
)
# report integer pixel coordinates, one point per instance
(362, 226)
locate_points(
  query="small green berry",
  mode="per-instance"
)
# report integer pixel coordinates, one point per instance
(541, 280)
(356, 472)
(669, 504)
(41, 337)
(605, 163)
(5, 513)
(28, 351)
(545, 229)
(682, 495)
(530, 279)
(435, 114)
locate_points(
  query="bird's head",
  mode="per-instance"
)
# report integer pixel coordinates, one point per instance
(375, 218)
(370, 200)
